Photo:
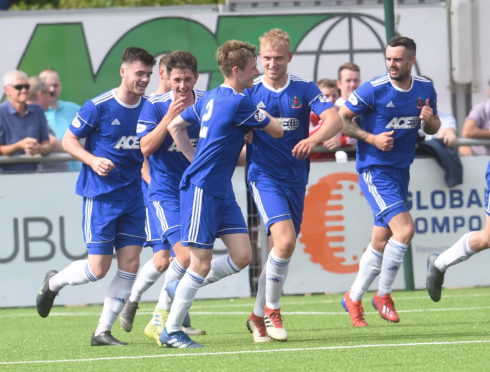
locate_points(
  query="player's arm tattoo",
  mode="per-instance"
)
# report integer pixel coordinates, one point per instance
(351, 128)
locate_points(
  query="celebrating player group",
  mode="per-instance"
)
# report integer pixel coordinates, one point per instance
(157, 172)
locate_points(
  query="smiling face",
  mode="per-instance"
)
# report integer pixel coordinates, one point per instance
(245, 78)
(135, 77)
(399, 62)
(17, 89)
(275, 58)
(181, 82)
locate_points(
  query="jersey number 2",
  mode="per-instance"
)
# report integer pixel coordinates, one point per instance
(205, 118)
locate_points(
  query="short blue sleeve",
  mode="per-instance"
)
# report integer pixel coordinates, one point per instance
(86, 120)
(361, 100)
(192, 114)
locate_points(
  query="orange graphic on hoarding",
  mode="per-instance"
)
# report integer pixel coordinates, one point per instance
(323, 232)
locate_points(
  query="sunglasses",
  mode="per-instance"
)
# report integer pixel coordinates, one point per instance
(21, 86)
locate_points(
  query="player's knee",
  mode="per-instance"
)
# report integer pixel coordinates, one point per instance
(99, 272)
(161, 263)
(405, 234)
(243, 259)
(284, 246)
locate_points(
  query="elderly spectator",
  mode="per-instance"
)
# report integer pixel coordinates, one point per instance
(23, 127)
(477, 125)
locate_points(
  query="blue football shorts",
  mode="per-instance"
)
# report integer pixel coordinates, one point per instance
(386, 191)
(109, 224)
(276, 202)
(205, 217)
(153, 228)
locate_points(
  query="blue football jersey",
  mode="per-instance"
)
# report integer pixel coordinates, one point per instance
(225, 117)
(108, 126)
(292, 105)
(383, 107)
(167, 164)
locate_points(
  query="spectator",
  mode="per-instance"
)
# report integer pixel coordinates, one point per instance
(330, 89)
(59, 114)
(349, 79)
(477, 125)
(447, 132)
(38, 93)
(23, 126)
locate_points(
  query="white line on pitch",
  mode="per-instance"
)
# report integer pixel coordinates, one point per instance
(244, 313)
(248, 352)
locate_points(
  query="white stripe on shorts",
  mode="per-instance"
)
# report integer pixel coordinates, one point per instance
(259, 204)
(196, 215)
(89, 202)
(372, 189)
(161, 215)
(147, 225)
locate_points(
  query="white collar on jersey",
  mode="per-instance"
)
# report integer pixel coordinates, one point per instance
(275, 90)
(227, 86)
(118, 100)
(400, 89)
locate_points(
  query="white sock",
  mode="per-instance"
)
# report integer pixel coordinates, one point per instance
(147, 276)
(392, 261)
(174, 272)
(116, 296)
(76, 273)
(276, 271)
(184, 295)
(260, 297)
(220, 268)
(458, 252)
(369, 268)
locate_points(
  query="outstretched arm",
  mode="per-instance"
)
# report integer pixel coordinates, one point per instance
(274, 128)
(330, 127)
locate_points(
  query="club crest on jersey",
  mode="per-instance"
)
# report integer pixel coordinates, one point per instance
(295, 103)
(128, 143)
(420, 103)
(289, 123)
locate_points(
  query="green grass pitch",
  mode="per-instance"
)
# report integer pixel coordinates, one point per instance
(452, 335)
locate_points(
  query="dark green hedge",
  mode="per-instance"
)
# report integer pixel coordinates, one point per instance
(79, 4)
